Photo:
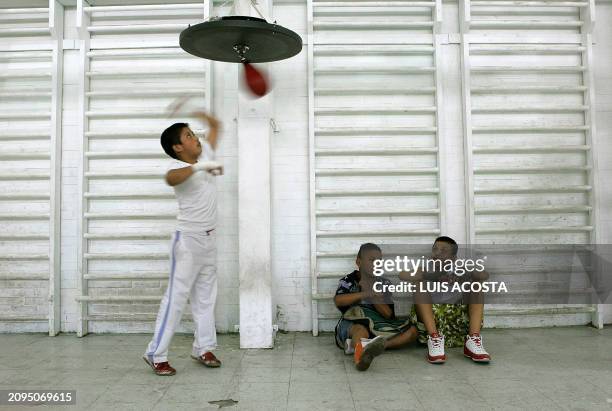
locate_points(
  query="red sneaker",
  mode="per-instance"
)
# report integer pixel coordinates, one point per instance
(160, 368)
(472, 348)
(435, 349)
(208, 359)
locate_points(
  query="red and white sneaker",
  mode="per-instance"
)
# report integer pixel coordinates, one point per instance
(472, 348)
(435, 349)
(160, 368)
(208, 359)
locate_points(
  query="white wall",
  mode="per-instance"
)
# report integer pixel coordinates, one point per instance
(292, 273)
(290, 150)
(290, 172)
(602, 51)
(290, 181)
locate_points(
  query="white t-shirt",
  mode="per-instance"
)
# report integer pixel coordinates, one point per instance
(197, 196)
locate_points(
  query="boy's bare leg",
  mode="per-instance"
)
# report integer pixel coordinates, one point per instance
(402, 339)
(475, 312)
(423, 306)
(426, 315)
(475, 303)
(424, 309)
(357, 332)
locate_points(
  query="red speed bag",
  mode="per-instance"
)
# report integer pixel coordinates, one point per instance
(255, 80)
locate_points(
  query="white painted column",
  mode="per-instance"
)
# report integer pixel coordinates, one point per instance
(56, 24)
(254, 245)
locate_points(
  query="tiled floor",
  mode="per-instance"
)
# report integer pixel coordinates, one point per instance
(535, 369)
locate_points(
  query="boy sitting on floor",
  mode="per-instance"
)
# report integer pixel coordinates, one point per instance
(368, 325)
(449, 319)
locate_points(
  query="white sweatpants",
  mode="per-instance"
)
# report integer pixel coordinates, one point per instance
(193, 275)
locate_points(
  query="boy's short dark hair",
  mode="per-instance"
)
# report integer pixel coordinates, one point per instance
(450, 241)
(172, 136)
(367, 247)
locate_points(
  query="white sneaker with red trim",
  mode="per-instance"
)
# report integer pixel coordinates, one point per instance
(472, 348)
(435, 349)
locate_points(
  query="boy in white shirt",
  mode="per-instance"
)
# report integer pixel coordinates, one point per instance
(193, 273)
(455, 319)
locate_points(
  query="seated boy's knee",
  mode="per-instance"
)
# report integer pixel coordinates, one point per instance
(358, 329)
(480, 276)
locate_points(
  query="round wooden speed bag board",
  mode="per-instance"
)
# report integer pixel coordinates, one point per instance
(240, 39)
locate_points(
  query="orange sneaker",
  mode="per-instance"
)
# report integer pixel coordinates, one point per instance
(358, 352)
(365, 352)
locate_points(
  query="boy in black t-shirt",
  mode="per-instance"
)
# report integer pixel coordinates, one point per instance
(367, 314)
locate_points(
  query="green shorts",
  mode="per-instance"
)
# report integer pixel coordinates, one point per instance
(452, 321)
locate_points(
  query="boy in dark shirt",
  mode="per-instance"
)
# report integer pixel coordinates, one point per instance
(368, 325)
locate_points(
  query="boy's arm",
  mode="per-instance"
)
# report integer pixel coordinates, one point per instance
(178, 175)
(380, 305)
(384, 310)
(345, 300)
(213, 133)
(376, 299)
(418, 276)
